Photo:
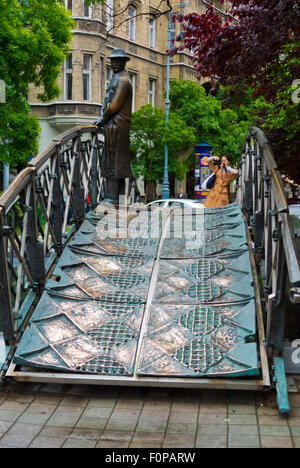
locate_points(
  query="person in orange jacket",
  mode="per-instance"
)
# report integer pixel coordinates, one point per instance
(225, 174)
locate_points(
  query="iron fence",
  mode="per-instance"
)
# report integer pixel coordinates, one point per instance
(261, 195)
(43, 206)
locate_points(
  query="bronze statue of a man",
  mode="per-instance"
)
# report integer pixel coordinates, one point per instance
(115, 119)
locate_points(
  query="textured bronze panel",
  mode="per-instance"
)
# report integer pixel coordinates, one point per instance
(189, 293)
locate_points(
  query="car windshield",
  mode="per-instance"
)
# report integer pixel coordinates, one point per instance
(294, 209)
(176, 204)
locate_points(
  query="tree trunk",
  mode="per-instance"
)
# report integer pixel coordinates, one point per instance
(150, 191)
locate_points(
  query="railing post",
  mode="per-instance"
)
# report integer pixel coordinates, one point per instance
(94, 174)
(77, 189)
(57, 204)
(258, 203)
(6, 316)
(34, 248)
(248, 198)
(276, 305)
(258, 231)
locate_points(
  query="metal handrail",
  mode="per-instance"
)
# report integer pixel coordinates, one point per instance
(17, 185)
(35, 216)
(261, 195)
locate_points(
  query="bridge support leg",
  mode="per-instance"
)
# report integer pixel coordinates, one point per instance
(281, 386)
(6, 318)
(276, 329)
(34, 248)
(94, 179)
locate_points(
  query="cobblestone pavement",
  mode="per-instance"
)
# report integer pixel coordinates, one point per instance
(52, 416)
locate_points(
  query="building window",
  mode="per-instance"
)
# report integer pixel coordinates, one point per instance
(68, 78)
(69, 5)
(152, 34)
(109, 15)
(87, 77)
(131, 23)
(87, 11)
(151, 92)
(132, 77)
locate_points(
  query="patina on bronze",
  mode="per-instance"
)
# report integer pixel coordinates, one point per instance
(115, 119)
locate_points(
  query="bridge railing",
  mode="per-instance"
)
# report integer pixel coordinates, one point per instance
(44, 204)
(261, 195)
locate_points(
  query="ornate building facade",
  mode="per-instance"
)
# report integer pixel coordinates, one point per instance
(86, 72)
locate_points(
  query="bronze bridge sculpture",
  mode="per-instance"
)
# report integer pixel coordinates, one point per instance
(79, 304)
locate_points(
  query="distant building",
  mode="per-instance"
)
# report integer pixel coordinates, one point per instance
(86, 72)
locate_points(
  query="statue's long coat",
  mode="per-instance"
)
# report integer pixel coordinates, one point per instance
(116, 115)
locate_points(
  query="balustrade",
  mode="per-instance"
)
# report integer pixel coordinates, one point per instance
(39, 212)
(261, 195)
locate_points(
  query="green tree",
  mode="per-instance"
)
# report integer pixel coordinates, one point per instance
(280, 113)
(224, 129)
(148, 137)
(35, 37)
(272, 103)
(19, 130)
(258, 45)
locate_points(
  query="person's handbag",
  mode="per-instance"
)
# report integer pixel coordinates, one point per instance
(209, 183)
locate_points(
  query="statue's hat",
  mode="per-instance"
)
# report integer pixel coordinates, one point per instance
(119, 53)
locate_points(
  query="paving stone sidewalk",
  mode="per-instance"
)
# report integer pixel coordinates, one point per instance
(54, 416)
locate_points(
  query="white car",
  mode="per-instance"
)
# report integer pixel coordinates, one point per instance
(177, 203)
(294, 210)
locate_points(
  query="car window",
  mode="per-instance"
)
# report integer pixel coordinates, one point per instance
(294, 210)
(176, 204)
(156, 203)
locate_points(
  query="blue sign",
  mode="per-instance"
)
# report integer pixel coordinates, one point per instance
(202, 170)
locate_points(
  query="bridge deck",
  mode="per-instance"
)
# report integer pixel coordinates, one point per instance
(167, 300)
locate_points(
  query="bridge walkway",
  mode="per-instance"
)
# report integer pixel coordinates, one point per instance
(137, 298)
(169, 298)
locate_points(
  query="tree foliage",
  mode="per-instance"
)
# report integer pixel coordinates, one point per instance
(258, 50)
(35, 37)
(241, 47)
(148, 137)
(19, 130)
(225, 129)
(194, 117)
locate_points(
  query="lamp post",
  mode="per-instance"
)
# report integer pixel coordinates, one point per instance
(5, 165)
(5, 176)
(171, 35)
(165, 185)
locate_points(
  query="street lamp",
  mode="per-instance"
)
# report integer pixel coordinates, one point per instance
(165, 185)
(171, 35)
(5, 165)
(2, 92)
